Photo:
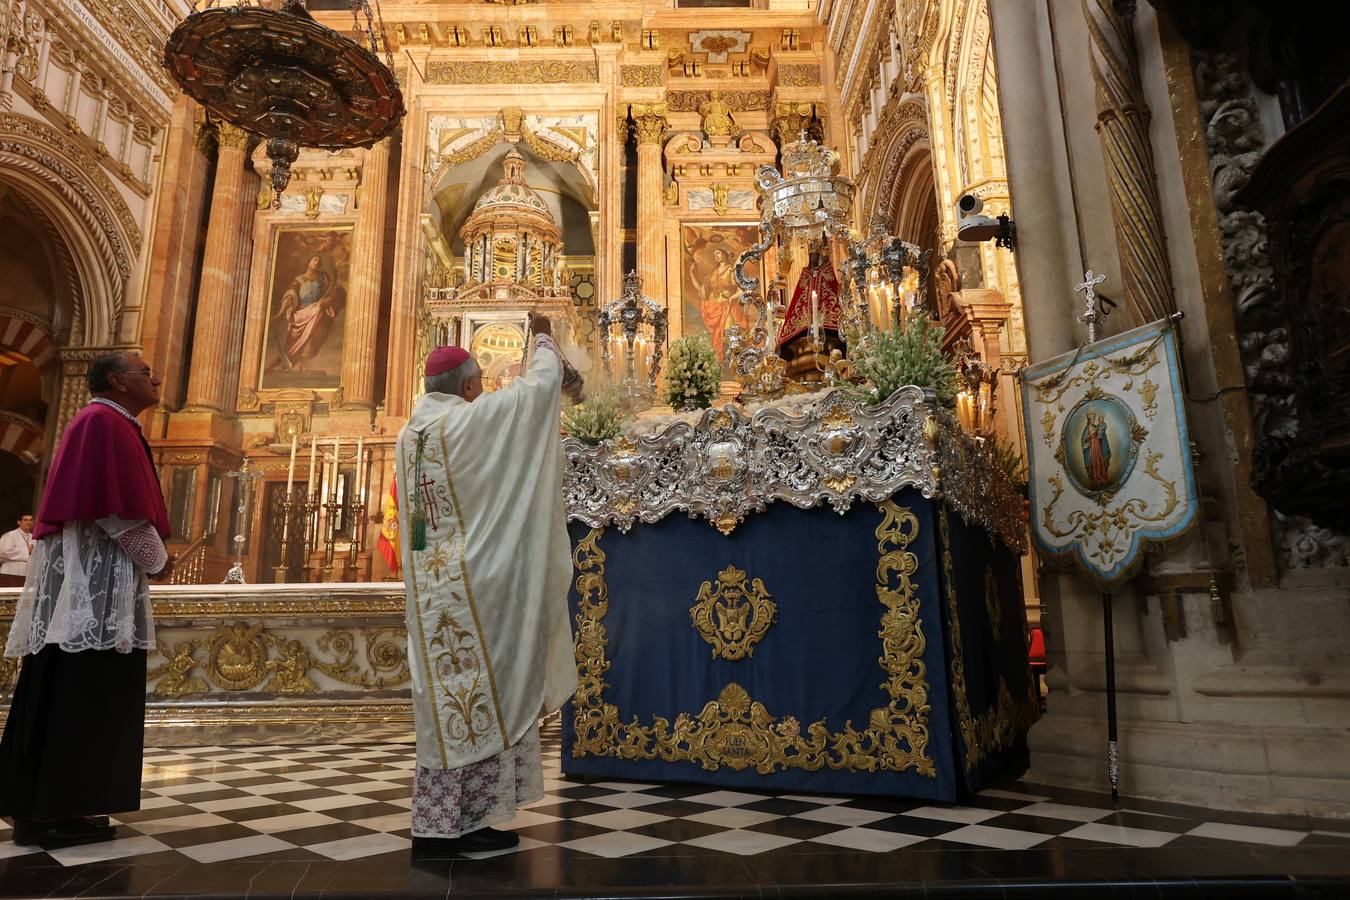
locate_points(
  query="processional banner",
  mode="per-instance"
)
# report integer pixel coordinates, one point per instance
(1109, 452)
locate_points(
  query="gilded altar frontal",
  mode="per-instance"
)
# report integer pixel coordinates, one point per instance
(939, 358)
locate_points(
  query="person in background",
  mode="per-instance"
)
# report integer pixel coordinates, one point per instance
(15, 548)
(72, 745)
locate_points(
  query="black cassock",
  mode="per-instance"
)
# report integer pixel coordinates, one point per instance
(73, 739)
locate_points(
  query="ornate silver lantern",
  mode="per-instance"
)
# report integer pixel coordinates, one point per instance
(810, 203)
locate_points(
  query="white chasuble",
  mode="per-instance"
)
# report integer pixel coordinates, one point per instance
(489, 642)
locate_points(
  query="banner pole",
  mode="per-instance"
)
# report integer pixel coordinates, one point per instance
(1112, 746)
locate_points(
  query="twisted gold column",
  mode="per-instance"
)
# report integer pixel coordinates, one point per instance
(1122, 124)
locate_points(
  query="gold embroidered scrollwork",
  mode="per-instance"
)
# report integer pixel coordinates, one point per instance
(736, 731)
(733, 616)
(992, 606)
(997, 727)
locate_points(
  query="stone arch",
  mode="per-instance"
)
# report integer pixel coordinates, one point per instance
(94, 232)
(901, 188)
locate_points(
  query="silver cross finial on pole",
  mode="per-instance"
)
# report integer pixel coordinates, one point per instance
(1087, 287)
(245, 478)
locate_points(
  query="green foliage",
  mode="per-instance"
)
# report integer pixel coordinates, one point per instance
(890, 360)
(693, 374)
(1008, 459)
(597, 419)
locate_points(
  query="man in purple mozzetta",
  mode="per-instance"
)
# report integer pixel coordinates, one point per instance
(72, 746)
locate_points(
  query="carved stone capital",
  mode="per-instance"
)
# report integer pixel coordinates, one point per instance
(649, 122)
(231, 136)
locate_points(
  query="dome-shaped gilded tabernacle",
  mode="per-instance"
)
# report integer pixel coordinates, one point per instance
(512, 190)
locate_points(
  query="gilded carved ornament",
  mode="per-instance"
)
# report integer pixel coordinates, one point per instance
(649, 122)
(734, 615)
(640, 76)
(736, 731)
(241, 656)
(513, 72)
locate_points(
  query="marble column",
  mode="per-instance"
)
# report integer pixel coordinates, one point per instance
(649, 122)
(172, 253)
(363, 304)
(219, 324)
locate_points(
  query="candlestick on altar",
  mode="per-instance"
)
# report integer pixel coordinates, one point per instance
(360, 468)
(245, 479)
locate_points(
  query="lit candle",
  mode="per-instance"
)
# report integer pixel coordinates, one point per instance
(290, 471)
(360, 467)
(311, 486)
(815, 316)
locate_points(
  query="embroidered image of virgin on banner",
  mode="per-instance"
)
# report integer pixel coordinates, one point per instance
(1109, 452)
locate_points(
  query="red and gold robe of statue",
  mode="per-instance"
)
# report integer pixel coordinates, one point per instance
(818, 277)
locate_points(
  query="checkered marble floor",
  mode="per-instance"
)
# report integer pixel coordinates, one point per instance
(344, 802)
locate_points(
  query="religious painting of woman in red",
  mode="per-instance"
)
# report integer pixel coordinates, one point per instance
(303, 346)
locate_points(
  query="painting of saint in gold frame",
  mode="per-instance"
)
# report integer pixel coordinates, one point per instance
(306, 312)
(709, 297)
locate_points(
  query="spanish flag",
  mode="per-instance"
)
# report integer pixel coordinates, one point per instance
(388, 541)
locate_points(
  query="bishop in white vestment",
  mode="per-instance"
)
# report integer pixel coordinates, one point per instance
(487, 563)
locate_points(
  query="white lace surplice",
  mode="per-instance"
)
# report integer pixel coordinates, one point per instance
(84, 592)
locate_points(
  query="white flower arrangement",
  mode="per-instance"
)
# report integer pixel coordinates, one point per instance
(693, 374)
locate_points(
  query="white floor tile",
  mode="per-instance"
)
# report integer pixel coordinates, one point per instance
(868, 839)
(546, 800)
(361, 846)
(333, 801)
(1248, 834)
(731, 817)
(391, 822)
(525, 844)
(623, 785)
(115, 849)
(1062, 811)
(616, 844)
(964, 814)
(724, 798)
(1011, 795)
(274, 787)
(289, 822)
(812, 798)
(160, 802)
(8, 850)
(180, 823)
(246, 802)
(842, 815)
(997, 838)
(525, 818)
(742, 843)
(1117, 834)
(626, 800)
(620, 819)
(186, 790)
(235, 849)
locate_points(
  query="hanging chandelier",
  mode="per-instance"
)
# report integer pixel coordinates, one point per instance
(282, 76)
